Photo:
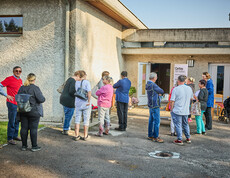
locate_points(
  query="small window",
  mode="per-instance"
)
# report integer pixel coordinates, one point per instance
(11, 25)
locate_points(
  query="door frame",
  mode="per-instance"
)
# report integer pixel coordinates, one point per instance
(139, 82)
(212, 69)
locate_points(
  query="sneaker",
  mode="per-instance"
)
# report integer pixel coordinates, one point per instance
(99, 134)
(189, 120)
(120, 129)
(188, 140)
(18, 139)
(77, 138)
(158, 140)
(150, 138)
(37, 148)
(197, 133)
(65, 132)
(203, 133)
(24, 148)
(11, 142)
(173, 134)
(178, 142)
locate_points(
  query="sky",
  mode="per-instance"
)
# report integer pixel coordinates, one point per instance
(181, 13)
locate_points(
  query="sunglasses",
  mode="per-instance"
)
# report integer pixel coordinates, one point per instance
(18, 71)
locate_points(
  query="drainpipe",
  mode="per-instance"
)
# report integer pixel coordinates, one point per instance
(66, 68)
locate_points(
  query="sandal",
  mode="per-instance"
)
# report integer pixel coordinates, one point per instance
(77, 138)
(86, 138)
(158, 140)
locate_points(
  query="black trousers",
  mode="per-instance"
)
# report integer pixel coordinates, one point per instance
(29, 123)
(122, 112)
(208, 117)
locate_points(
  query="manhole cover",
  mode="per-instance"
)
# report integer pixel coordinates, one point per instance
(164, 154)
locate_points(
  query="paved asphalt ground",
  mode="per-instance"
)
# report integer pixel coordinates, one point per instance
(124, 155)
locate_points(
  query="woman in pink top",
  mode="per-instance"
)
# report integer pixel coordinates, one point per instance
(104, 102)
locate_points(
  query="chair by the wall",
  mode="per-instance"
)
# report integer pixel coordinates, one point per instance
(219, 104)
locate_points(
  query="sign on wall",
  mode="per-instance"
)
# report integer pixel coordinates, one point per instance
(179, 69)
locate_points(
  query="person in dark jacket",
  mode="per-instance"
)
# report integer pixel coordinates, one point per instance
(122, 98)
(67, 99)
(30, 120)
(210, 87)
(153, 92)
(202, 98)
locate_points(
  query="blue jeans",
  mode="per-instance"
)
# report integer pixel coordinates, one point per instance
(13, 124)
(181, 121)
(154, 122)
(68, 117)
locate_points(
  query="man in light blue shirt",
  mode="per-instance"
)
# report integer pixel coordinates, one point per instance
(180, 101)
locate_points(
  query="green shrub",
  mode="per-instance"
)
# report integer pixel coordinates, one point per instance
(132, 91)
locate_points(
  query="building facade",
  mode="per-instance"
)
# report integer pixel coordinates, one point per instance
(54, 38)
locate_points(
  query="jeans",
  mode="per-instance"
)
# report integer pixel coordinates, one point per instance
(199, 123)
(68, 117)
(208, 117)
(29, 123)
(181, 121)
(103, 116)
(13, 124)
(154, 122)
(122, 112)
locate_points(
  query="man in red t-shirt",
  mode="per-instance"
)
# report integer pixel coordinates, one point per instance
(12, 84)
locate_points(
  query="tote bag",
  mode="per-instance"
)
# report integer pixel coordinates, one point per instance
(196, 109)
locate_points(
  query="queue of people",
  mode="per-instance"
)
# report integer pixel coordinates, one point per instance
(103, 92)
(76, 96)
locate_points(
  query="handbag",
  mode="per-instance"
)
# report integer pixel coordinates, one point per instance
(196, 109)
(61, 88)
(81, 93)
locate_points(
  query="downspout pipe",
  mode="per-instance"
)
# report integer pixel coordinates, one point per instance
(67, 20)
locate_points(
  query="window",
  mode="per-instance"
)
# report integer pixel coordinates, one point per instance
(11, 25)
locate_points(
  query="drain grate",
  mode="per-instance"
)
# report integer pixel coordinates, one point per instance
(164, 154)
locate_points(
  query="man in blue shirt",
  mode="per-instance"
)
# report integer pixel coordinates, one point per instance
(180, 101)
(122, 98)
(153, 91)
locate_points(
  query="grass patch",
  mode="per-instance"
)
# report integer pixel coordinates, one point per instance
(3, 131)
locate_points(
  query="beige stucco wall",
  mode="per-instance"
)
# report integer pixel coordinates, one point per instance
(95, 42)
(39, 50)
(200, 65)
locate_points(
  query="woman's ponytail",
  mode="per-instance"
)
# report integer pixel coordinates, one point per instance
(30, 78)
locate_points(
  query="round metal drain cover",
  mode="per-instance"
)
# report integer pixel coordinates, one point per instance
(164, 154)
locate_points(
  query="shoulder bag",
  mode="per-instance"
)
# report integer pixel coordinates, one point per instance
(81, 93)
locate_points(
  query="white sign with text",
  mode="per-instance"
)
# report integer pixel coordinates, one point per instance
(180, 69)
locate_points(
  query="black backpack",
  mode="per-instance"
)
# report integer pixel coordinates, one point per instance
(23, 103)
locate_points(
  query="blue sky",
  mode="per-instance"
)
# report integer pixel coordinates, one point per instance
(181, 13)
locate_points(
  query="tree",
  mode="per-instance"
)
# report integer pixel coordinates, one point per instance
(11, 27)
(1, 27)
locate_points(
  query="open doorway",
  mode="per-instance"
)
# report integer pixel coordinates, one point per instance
(163, 74)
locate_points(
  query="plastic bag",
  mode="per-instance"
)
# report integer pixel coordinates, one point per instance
(196, 109)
